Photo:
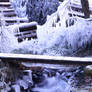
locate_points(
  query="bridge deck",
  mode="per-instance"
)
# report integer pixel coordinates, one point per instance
(45, 59)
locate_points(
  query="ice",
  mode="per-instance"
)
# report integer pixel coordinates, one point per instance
(54, 84)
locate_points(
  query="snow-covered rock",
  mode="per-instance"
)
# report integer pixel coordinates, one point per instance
(37, 10)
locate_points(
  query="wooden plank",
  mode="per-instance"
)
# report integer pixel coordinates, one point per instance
(6, 10)
(5, 3)
(24, 36)
(5, 6)
(16, 19)
(44, 59)
(4, 0)
(9, 14)
(10, 21)
(25, 32)
(28, 26)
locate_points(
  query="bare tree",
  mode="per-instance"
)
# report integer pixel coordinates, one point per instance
(85, 8)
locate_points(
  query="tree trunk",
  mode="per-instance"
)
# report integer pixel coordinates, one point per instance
(85, 8)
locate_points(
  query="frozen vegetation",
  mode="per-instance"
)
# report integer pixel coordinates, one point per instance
(20, 7)
(60, 35)
(35, 10)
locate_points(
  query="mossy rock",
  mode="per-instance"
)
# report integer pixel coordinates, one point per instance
(88, 70)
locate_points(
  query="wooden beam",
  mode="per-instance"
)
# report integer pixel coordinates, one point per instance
(28, 26)
(9, 14)
(44, 59)
(4, 0)
(6, 10)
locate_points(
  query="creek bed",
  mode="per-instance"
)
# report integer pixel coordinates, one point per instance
(47, 78)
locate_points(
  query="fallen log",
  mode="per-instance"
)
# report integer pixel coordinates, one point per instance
(45, 59)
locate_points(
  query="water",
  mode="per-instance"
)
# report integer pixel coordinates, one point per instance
(48, 80)
(54, 38)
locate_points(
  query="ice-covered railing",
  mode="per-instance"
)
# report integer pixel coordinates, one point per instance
(50, 32)
(61, 13)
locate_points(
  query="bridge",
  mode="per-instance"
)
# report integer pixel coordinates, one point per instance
(45, 59)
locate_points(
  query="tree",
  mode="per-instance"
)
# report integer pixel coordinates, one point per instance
(37, 10)
(85, 8)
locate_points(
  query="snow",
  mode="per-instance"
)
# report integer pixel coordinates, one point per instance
(71, 38)
(55, 38)
(20, 7)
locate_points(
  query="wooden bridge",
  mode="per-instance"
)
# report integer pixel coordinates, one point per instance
(43, 59)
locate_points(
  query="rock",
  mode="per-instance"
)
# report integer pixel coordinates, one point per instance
(88, 70)
(37, 10)
(37, 76)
